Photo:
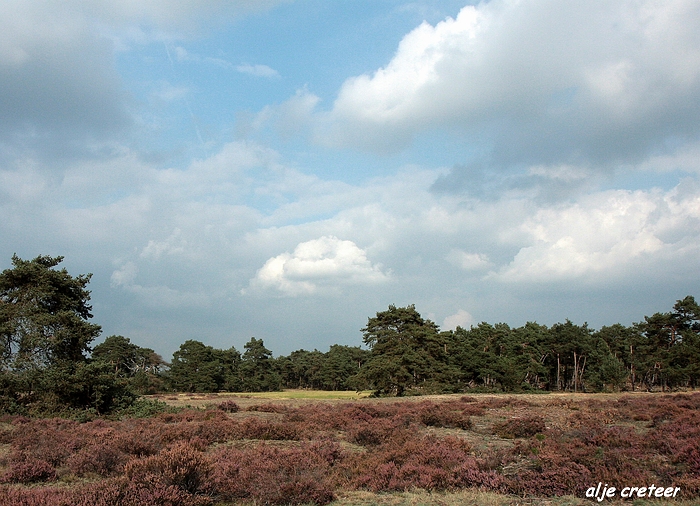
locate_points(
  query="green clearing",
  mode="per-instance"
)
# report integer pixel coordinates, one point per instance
(305, 394)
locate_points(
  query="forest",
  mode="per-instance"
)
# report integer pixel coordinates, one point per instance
(48, 361)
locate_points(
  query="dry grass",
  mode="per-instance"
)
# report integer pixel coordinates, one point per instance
(478, 498)
(287, 397)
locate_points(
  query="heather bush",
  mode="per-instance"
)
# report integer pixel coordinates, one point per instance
(181, 466)
(255, 428)
(36, 496)
(102, 458)
(268, 408)
(470, 474)
(520, 427)
(138, 441)
(49, 440)
(191, 457)
(553, 478)
(431, 463)
(29, 471)
(269, 475)
(436, 415)
(122, 492)
(372, 433)
(228, 406)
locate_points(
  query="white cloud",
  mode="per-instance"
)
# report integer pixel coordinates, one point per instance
(468, 261)
(318, 265)
(171, 246)
(460, 319)
(544, 81)
(257, 70)
(125, 275)
(605, 234)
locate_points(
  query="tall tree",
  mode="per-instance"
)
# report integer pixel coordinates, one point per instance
(257, 370)
(407, 352)
(44, 315)
(139, 366)
(195, 368)
(672, 346)
(45, 336)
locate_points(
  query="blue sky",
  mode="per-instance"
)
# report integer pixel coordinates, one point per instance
(285, 169)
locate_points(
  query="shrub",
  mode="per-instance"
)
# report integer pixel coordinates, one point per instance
(431, 463)
(146, 408)
(122, 492)
(520, 427)
(371, 433)
(269, 475)
(435, 415)
(29, 471)
(228, 406)
(181, 466)
(255, 428)
(268, 408)
(36, 496)
(104, 458)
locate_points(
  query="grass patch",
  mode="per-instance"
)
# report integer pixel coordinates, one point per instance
(461, 498)
(308, 394)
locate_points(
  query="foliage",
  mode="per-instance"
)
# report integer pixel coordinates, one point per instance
(139, 367)
(410, 355)
(408, 352)
(44, 340)
(257, 373)
(520, 427)
(43, 315)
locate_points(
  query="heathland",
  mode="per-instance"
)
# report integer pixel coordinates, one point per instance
(418, 416)
(283, 448)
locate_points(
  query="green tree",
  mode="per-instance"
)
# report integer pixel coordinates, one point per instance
(45, 336)
(407, 352)
(195, 368)
(230, 361)
(257, 369)
(672, 346)
(569, 347)
(627, 345)
(139, 366)
(44, 315)
(126, 357)
(339, 365)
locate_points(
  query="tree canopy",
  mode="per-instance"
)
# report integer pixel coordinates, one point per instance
(44, 314)
(45, 337)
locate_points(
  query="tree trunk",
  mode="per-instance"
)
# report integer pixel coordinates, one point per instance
(558, 373)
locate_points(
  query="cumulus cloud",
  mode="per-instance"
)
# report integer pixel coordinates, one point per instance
(542, 82)
(125, 275)
(318, 265)
(468, 261)
(606, 235)
(460, 319)
(171, 246)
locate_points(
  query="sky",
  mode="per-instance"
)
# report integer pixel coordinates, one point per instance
(286, 169)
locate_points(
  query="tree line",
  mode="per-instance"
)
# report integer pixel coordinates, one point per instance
(47, 359)
(410, 354)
